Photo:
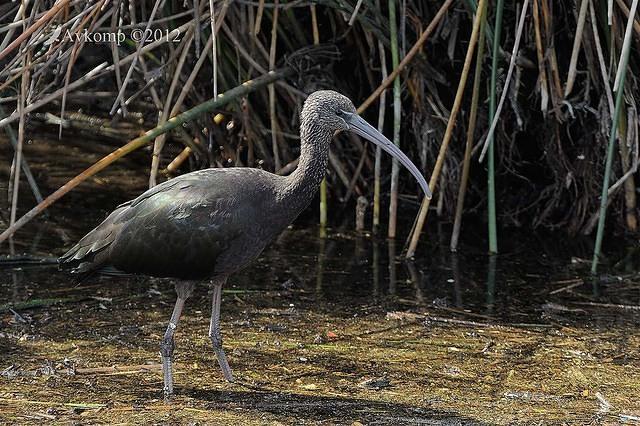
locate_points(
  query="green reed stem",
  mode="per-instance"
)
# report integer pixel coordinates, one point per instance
(491, 181)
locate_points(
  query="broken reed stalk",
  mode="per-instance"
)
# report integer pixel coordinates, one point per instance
(397, 114)
(491, 177)
(619, 88)
(211, 104)
(424, 208)
(473, 114)
(405, 61)
(378, 158)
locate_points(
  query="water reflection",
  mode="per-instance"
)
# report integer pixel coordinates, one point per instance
(417, 280)
(457, 277)
(322, 244)
(491, 283)
(376, 269)
(351, 270)
(393, 276)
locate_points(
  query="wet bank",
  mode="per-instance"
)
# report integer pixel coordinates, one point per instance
(332, 331)
(324, 331)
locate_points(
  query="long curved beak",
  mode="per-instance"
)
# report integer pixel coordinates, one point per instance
(360, 127)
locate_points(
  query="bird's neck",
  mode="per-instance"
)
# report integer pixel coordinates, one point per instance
(304, 182)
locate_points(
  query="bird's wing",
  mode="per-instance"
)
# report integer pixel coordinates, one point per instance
(88, 254)
(176, 229)
(85, 255)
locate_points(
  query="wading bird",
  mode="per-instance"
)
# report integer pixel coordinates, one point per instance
(209, 224)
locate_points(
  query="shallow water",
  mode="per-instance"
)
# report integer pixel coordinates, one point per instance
(523, 336)
(327, 331)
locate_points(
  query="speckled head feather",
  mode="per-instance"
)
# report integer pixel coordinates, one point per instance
(324, 108)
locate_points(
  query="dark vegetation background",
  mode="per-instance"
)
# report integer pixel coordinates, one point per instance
(550, 142)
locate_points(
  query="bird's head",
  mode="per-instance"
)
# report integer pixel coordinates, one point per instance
(329, 109)
(336, 113)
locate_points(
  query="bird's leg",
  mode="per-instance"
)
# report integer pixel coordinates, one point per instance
(167, 345)
(214, 331)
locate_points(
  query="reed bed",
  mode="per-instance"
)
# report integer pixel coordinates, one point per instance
(562, 149)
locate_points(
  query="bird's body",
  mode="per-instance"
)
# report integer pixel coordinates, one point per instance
(201, 225)
(211, 223)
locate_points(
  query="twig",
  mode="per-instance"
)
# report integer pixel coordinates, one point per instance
(114, 369)
(84, 406)
(609, 305)
(578, 283)
(38, 303)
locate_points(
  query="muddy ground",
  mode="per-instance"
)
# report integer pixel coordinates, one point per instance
(335, 331)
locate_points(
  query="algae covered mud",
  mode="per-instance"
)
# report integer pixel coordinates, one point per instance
(333, 331)
(321, 331)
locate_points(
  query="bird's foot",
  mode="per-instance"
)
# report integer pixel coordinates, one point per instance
(224, 365)
(168, 394)
(228, 376)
